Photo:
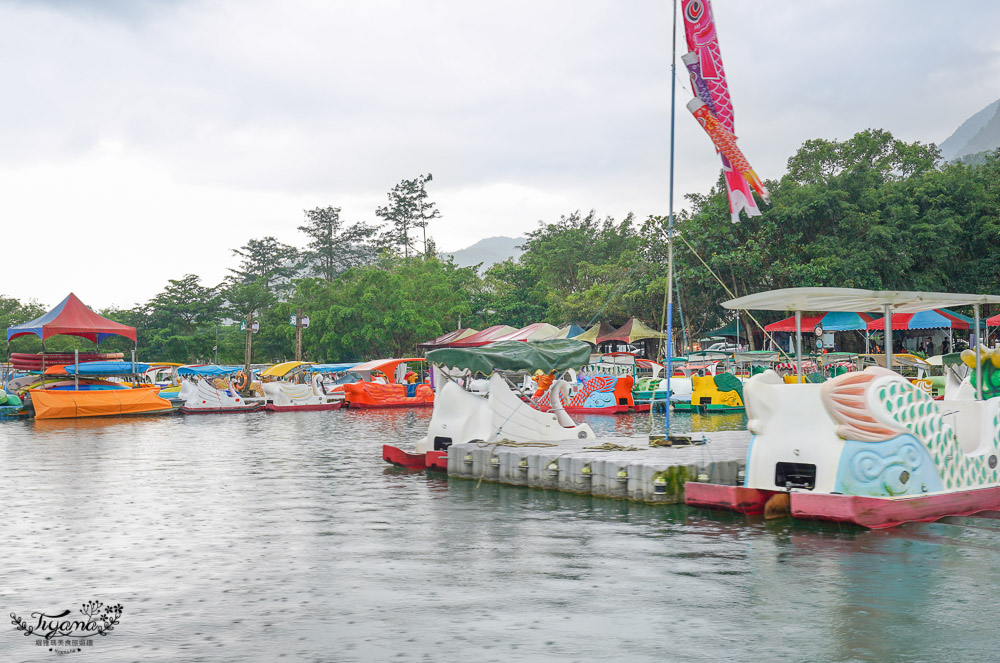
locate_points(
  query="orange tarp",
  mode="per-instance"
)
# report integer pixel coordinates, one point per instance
(64, 404)
(372, 394)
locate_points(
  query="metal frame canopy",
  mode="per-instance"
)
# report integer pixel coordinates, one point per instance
(853, 300)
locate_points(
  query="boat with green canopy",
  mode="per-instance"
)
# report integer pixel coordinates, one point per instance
(504, 412)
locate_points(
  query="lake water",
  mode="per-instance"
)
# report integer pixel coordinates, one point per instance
(284, 536)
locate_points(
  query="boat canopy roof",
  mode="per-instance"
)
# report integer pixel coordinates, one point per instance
(752, 356)
(557, 354)
(329, 368)
(72, 317)
(853, 300)
(282, 369)
(384, 365)
(709, 355)
(208, 370)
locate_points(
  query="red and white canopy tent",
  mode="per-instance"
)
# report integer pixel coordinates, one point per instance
(938, 318)
(484, 337)
(538, 331)
(992, 322)
(72, 317)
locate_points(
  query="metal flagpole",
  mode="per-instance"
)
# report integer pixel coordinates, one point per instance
(670, 224)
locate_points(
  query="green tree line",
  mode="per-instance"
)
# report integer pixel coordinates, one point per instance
(868, 212)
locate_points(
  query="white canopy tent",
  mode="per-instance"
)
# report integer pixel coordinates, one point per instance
(854, 300)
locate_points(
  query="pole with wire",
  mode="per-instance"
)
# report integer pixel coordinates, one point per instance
(670, 225)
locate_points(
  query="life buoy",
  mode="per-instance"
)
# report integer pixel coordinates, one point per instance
(240, 381)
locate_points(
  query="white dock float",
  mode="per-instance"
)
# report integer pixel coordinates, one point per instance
(649, 474)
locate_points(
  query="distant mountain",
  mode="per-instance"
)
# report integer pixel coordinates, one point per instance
(980, 133)
(488, 251)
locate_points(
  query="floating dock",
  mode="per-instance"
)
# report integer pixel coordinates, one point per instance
(615, 467)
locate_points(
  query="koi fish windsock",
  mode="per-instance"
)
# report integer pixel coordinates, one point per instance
(708, 80)
(725, 142)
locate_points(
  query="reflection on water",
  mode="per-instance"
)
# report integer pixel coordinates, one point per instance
(636, 425)
(262, 536)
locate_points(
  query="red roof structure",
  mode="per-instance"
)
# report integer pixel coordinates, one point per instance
(72, 317)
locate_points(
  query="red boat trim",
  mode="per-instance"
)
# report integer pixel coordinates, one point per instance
(437, 460)
(611, 409)
(397, 456)
(734, 498)
(271, 407)
(220, 410)
(372, 406)
(881, 512)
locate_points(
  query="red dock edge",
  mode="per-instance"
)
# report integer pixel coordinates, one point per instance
(432, 460)
(870, 512)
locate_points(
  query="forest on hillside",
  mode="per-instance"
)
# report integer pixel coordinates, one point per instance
(867, 212)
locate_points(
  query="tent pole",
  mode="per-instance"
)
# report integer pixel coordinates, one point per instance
(979, 367)
(798, 346)
(76, 369)
(887, 326)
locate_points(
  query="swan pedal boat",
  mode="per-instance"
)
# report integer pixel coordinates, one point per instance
(209, 389)
(283, 395)
(501, 413)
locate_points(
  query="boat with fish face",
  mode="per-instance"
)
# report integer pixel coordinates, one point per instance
(502, 410)
(597, 394)
(298, 386)
(211, 389)
(867, 447)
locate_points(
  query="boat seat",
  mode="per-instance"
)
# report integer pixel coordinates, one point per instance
(972, 422)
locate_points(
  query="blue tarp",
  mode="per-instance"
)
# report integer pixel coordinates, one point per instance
(107, 368)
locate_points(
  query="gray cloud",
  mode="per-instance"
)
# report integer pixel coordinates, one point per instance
(231, 116)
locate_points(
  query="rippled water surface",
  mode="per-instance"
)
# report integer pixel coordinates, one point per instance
(268, 536)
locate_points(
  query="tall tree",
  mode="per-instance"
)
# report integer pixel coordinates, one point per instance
(266, 261)
(334, 247)
(408, 208)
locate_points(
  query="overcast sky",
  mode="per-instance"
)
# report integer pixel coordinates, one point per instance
(141, 140)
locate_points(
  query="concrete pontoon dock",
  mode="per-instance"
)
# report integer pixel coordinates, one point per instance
(644, 474)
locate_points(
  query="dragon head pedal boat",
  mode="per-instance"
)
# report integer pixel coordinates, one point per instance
(870, 447)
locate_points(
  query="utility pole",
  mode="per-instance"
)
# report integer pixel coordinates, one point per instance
(248, 352)
(298, 334)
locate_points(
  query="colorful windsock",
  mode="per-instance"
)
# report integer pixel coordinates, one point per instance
(708, 80)
(725, 143)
